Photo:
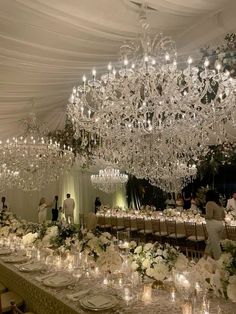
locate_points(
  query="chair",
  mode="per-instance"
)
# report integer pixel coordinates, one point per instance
(230, 232)
(7, 298)
(16, 310)
(90, 221)
(192, 236)
(173, 235)
(115, 225)
(156, 229)
(194, 254)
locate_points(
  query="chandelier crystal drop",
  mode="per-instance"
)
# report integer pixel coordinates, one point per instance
(109, 180)
(37, 160)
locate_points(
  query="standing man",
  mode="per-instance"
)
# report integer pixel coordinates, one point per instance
(231, 204)
(68, 208)
(55, 209)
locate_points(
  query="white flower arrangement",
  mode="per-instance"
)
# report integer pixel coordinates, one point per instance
(95, 245)
(219, 276)
(29, 238)
(153, 260)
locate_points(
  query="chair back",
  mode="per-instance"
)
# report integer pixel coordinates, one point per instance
(101, 220)
(190, 229)
(230, 232)
(171, 227)
(14, 309)
(156, 225)
(127, 223)
(113, 220)
(140, 224)
(194, 255)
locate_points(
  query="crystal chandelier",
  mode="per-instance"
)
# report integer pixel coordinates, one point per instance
(149, 93)
(109, 180)
(36, 160)
(150, 113)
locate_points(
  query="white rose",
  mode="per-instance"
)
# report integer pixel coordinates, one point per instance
(138, 250)
(146, 263)
(148, 246)
(134, 265)
(159, 252)
(132, 244)
(165, 254)
(160, 271)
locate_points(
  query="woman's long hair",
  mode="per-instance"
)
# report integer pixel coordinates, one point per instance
(212, 196)
(42, 201)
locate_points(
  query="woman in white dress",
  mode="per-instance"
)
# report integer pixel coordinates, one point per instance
(215, 215)
(42, 210)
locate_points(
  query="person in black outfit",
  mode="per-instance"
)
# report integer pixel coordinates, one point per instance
(55, 209)
(97, 204)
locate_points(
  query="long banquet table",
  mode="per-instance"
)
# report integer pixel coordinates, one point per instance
(43, 300)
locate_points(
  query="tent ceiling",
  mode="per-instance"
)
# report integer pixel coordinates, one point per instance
(46, 46)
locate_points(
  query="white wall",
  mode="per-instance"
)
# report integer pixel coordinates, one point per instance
(77, 183)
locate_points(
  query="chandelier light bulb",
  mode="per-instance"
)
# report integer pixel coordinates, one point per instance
(190, 60)
(206, 63)
(94, 72)
(167, 57)
(109, 67)
(84, 78)
(126, 62)
(74, 90)
(133, 66)
(218, 66)
(146, 59)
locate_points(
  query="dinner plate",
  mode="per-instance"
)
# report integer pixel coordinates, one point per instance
(5, 251)
(16, 259)
(58, 281)
(98, 302)
(31, 267)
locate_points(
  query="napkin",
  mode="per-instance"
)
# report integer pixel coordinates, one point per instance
(77, 295)
(98, 300)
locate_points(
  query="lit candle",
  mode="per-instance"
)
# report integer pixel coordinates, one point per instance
(173, 295)
(127, 294)
(147, 294)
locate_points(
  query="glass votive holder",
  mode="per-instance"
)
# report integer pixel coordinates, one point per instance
(127, 293)
(147, 293)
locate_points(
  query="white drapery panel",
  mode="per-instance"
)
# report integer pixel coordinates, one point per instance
(46, 46)
(77, 183)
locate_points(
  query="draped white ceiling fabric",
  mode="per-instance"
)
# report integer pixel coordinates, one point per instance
(47, 45)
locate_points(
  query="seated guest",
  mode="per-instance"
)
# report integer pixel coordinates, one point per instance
(194, 203)
(179, 203)
(231, 203)
(170, 202)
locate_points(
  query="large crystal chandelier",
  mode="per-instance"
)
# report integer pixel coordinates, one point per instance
(150, 113)
(149, 93)
(109, 180)
(35, 159)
